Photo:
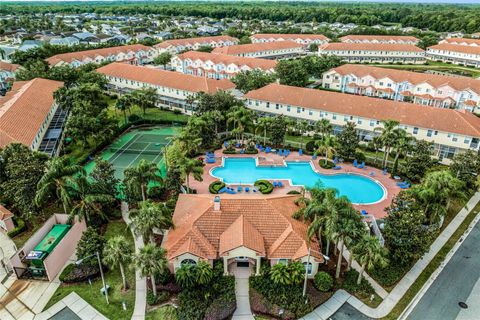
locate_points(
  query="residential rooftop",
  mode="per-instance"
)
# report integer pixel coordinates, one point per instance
(226, 59)
(257, 47)
(355, 37)
(193, 41)
(288, 36)
(344, 46)
(456, 48)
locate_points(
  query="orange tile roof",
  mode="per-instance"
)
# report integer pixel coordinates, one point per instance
(5, 213)
(24, 109)
(343, 46)
(165, 78)
(461, 40)
(447, 120)
(241, 221)
(11, 67)
(257, 47)
(193, 41)
(456, 48)
(226, 59)
(93, 53)
(288, 36)
(435, 80)
(356, 37)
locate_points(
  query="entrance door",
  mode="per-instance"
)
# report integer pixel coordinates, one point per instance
(242, 262)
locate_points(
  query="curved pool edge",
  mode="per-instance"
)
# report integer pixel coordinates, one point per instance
(285, 163)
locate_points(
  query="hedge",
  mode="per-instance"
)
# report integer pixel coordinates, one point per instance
(216, 186)
(160, 298)
(323, 281)
(328, 165)
(264, 186)
(20, 227)
(310, 146)
(73, 273)
(294, 192)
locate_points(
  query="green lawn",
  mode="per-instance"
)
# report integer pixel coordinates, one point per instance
(163, 313)
(432, 266)
(92, 294)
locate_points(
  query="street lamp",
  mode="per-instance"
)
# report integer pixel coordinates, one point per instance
(306, 269)
(78, 262)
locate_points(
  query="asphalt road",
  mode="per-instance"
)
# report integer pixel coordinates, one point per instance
(454, 284)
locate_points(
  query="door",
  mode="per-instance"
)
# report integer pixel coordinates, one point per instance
(242, 262)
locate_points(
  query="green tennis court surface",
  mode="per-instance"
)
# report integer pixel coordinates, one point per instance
(130, 148)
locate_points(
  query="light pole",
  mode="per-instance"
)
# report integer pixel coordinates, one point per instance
(306, 269)
(78, 262)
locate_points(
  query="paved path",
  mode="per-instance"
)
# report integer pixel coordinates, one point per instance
(327, 309)
(71, 304)
(141, 283)
(243, 311)
(7, 249)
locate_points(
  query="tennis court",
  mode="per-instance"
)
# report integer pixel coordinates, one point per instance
(130, 148)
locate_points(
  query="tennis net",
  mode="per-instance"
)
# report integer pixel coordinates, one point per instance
(137, 151)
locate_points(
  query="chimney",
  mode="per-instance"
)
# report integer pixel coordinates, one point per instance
(216, 203)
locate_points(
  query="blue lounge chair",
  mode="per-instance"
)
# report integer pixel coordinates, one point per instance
(268, 149)
(225, 144)
(362, 165)
(385, 171)
(401, 183)
(223, 190)
(355, 163)
(371, 174)
(239, 189)
(364, 212)
(337, 168)
(256, 145)
(210, 160)
(280, 184)
(300, 152)
(405, 186)
(280, 152)
(314, 157)
(230, 191)
(242, 151)
(247, 189)
(275, 184)
(237, 145)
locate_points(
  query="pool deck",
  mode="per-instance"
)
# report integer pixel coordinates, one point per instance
(376, 209)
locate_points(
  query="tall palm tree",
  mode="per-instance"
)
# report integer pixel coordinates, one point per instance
(151, 260)
(123, 104)
(149, 216)
(370, 253)
(216, 117)
(190, 142)
(388, 136)
(140, 176)
(347, 228)
(323, 127)
(56, 180)
(303, 126)
(242, 119)
(377, 144)
(117, 252)
(145, 98)
(263, 124)
(326, 145)
(402, 145)
(189, 167)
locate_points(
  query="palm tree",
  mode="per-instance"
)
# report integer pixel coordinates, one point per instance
(326, 145)
(369, 253)
(402, 145)
(149, 216)
(87, 201)
(145, 98)
(190, 142)
(388, 135)
(377, 144)
(303, 126)
(242, 119)
(216, 117)
(118, 252)
(323, 127)
(204, 273)
(123, 104)
(188, 167)
(56, 179)
(263, 124)
(186, 276)
(140, 176)
(347, 228)
(149, 261)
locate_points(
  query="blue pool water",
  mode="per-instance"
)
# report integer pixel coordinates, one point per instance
(358, 189)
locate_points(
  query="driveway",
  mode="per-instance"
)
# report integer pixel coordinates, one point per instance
(243, 311)
(457, 282)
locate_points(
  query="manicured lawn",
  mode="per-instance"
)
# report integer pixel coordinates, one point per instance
(91, 293)
(164, 313)
(432, 266)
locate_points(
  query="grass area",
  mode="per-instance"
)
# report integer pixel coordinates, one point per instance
(371, 303)
(91, 293)
(432, 266)
(436, 66)
(164, 313)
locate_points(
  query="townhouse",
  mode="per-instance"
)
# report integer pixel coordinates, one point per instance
(176, 91)
(434, 90)
(266, 50)
(462, 41)
(375, 52)
(353, 38)
(180, 45)
(451, 131)
(217, 65)
(26, 113)
(303, 39)
(468, 55)
(7, 74)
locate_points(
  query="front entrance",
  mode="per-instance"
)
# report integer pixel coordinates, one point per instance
(242, 262)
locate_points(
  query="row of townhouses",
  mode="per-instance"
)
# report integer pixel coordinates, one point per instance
(217, 65)
(379, 39)
(303, 39)
(434, 90)
(181, 45)
(456, 50)
(267, 50)
(451, 131)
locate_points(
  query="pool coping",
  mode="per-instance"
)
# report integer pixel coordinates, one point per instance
(385, 190)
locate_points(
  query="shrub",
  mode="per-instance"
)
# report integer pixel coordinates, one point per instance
(360, 156)
(230, 151)
(161, 297)
(326, 165)
(134, 118)
(164, 277)
(323, 281)
(221, 308)
(215, 186)
(19, 228)
(389, 275)
(251, 151)
(310, 146)
(176, 111)
(90, 243)
(264, 186)
(73, 273)
(294, 192)
(350, 284)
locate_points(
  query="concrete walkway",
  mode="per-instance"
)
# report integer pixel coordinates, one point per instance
(7, 249)
(326, 310)
(73, 304)
(243, 311)
(141, 283)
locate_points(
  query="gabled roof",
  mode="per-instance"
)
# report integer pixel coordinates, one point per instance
(218, 58)
(358, 37)
(456, 48)
(344, 46)
(193, 41)
(241, 221)
(10, 67)
(460, 41)
(446, 120)
(5, 213)
(289, 36)
(170, 79)
(257, 47)
(24, 109)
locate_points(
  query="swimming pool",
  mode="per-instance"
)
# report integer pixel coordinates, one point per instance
(359, 189)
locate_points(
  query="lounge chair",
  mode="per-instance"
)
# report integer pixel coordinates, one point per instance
(280, 152)
(371, 174)
(223, 190)
(405, 186)
(247, 189)
(239, 189)
(335, 160)
(230, 191)
(300, 152)
(275, 184)
(362, 165)
(242, 151)
(355, 163)
(385, 171)
(337, 168)
(210, 160)
(364, 212)
(314, 157)
(237, 145)
(280, 184)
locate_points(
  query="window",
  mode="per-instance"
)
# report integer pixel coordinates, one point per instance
(466, 140)
(288, 108)
(334, 117)
(268, 104)
(429, 133)
(372, 123)
(359, 121)
(309, 267)
(256, 103)
(276, 106)
(188, 262)
(283, 261)
(310, 113)
(415, 130)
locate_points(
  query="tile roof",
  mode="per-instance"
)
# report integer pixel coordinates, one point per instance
(5, 213)
(193, 41)
(165, 78)
(343, 46)
(257, 47)
(93, 53)
(289, 36)
(435, 80)
(11, 67)
(357, 37)
(446, 120)
(226, 59)
(24, 109)
(263, 224)
(456, 48)
(460, 41)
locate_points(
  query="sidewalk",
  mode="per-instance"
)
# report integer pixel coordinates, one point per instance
(327, 309)
(141, 284)
(243, 311)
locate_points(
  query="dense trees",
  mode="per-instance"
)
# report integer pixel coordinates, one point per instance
(347, 142)
(250, 80)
